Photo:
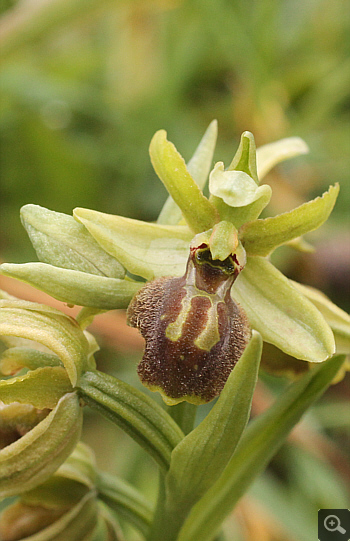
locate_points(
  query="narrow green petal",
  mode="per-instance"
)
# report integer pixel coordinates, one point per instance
(31, 459)
(245, 157)
(263, 437)
(60, 240)
(169, 165)
(200, 458)
(74, 287)
(49, 327)
(270, 155)
(281, 314)
(261, 237)
(198, 167)
(145, 249)
(42, 388)
(136, 413)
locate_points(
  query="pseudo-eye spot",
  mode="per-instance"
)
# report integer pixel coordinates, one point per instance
(194, 331)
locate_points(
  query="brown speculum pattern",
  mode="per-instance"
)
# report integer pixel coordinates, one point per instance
(194, 331)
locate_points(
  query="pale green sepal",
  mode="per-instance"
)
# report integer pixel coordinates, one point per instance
(42, 388)
(338, 319)
(60, 240)
(75, 525)
(60, 333)
(16, 358)
(261, 237)
(145, 249)
(263, 437)
(236, 188)
(126, 501)
(245, 157)
(223, 240)
(240, 215)
(282, 315)
(34, 457)
(74, 287)
(198, 167)
(170, 167)
(271, 154)
(200, 458)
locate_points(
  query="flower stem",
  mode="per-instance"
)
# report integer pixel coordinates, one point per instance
(184, 415)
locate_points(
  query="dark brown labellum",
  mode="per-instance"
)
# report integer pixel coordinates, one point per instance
(194, 331)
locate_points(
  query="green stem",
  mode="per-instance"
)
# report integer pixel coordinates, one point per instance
(184, 415)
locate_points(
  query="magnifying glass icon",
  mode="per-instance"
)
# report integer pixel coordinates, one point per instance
(332, 524)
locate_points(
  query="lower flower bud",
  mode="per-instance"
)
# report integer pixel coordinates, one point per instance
(194, 331)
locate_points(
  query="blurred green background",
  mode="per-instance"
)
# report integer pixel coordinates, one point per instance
(84, 84)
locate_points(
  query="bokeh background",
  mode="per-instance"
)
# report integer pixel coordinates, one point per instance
(84, 84)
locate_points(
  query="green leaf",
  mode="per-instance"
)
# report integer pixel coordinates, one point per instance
(245, 157)
(202, 455)
(281, 314)
(261, 237)
(60, 240)
(34, 457)
(42, 387)
(263, 437)
(126, 501)
(74, 287)
(134, 412)
(200, 458)
(169, 165)
(49, 327)
(145, 249)
(198, 167)
(270, 155)
(16, 358)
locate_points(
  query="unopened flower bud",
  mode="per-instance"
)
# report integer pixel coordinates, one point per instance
(194, 331)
